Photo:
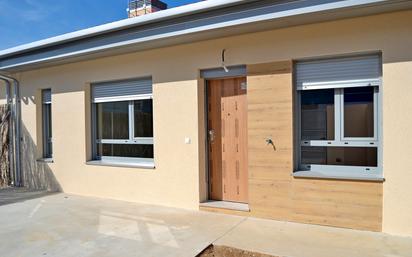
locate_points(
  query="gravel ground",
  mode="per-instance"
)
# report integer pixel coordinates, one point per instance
(224, 251)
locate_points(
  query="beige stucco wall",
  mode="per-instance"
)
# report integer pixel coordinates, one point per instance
(175, 181)
(397, 141)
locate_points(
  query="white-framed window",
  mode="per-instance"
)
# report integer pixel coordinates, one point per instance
(338, 117)
(47, 123)
(122, 117)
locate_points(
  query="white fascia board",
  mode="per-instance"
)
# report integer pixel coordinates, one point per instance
(310, 10)
(122, 24)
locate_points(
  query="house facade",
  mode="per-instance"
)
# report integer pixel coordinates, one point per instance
(301, 116)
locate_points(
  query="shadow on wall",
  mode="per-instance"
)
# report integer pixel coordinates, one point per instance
(36, 175)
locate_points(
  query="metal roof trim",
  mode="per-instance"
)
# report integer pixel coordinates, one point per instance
(121, 24)
(318, 7)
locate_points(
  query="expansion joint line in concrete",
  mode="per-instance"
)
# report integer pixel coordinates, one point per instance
(230, 230)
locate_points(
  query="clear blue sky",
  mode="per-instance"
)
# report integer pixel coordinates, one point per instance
(25, 21)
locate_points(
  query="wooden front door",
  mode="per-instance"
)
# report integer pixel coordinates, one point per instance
(227, 136)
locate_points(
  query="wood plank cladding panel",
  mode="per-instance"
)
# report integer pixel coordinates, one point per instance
(269, 116)
(273, 192)
(351, 204)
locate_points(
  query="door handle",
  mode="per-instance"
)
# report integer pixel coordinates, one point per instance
(211, 135)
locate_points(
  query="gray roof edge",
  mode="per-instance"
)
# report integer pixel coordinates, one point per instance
(122, 24)
(318, 7)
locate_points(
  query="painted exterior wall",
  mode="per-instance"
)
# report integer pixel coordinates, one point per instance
(179, 174)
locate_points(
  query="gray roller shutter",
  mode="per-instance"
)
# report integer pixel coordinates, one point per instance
(124, 90)
(328, 73)
(46, 96)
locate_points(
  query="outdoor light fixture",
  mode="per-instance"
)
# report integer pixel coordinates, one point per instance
(223, 61)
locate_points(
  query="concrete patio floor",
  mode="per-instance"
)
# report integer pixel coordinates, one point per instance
(288, 239)
(66, 225)
(10, 195)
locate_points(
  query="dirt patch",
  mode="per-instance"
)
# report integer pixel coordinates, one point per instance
(224, 251)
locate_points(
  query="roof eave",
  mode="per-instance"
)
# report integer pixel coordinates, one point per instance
(305, 15)
(119, 25)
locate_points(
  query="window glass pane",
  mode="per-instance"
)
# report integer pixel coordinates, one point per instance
(351, 156)
(112, 120)
(143, 118)
(317, 114)
(125, 150)
(47, 131)
(358, 112)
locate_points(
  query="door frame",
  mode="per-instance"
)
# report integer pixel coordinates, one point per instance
(215, 74)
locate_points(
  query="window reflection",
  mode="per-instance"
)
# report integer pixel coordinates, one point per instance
(317, 115)
(143, 118)
(351, 156)
(125, 150)
(358, 112)
(112, 120)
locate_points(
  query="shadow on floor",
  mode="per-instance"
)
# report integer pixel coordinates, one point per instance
(11, 195)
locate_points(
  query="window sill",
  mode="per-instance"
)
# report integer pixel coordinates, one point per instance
(324, 175)
(142, 165)
(45, 160)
